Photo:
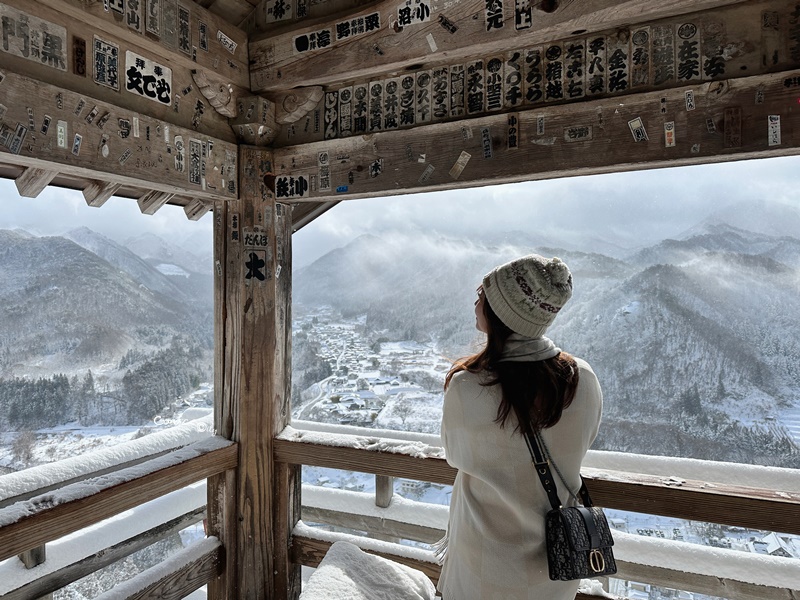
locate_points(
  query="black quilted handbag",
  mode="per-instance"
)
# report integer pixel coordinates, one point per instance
(578, 538)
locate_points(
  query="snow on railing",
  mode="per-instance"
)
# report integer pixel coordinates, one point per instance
(47, 476)
(73, 548)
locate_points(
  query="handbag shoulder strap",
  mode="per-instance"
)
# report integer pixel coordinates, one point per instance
(541, 462)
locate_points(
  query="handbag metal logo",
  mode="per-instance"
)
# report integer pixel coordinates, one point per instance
(596, 561)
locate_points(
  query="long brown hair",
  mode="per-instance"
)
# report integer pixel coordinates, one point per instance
(537, 392)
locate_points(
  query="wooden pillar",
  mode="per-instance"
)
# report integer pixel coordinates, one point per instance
(253, 510)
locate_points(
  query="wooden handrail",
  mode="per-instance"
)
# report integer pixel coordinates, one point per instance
(771, 510)
(69, 574)
(56, 514)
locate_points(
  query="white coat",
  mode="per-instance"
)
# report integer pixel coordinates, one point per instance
(496, 547)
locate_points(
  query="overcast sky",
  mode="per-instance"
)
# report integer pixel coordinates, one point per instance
(628, 208)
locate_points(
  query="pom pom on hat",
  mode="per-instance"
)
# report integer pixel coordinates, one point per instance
(527, 293)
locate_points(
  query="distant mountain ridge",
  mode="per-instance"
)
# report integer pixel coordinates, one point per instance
(697, 338)
(67, 307)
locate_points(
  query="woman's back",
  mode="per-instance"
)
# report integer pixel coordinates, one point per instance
(495, 545)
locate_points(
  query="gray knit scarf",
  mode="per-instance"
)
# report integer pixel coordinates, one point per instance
(519, 348)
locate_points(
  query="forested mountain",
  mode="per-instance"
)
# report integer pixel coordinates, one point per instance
(695, 341)
(64, 305)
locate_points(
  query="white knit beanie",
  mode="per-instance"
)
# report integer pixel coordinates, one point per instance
(527, 293)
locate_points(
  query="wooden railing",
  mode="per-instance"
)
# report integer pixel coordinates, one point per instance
(691, 499)
(30, 520)
(35, 519)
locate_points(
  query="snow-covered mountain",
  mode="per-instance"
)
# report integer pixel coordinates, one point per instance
(158, 251)
(66, 307)
(125, 260)
(693, 339)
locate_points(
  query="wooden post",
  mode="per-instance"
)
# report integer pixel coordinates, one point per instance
(253, 511)
(384, 488)
(33, 558)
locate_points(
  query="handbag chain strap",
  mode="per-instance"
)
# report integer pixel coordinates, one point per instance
(540, 454)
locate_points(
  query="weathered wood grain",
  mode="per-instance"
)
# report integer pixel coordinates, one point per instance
(51, 522)
(379, 527)
(71, 573)
(97, 193)
(215, 58)
(184, 581)
(179, 105)
(130, 148)
(253, 330)
(608, 145)
(33, 181)
(694, 500)
(277, 65)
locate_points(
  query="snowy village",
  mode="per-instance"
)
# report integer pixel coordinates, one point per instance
(235, 391)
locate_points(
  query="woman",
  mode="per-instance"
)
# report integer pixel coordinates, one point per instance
(520, 382)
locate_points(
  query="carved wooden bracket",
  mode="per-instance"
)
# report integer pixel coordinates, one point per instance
(254, 123)
(295, 104)
(219, 95)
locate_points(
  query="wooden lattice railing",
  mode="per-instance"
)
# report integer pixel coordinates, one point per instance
(683, 498)
(35, 519)
(29, 521)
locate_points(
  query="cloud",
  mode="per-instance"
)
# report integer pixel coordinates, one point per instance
(624, 209)
(621, 209)
(57, 210)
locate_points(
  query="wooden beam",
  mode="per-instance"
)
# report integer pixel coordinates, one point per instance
(741, 40)
(97, 193)
(310, 552)
(91, 564)
(33, 181)
(196, 209)
(695, 500)
(252, 393)
(315, 53)
(181, 582)
(93, 53)
(112, 495)
(753, 117)
(50, 128)
(722, 587)
(186, 38)
(379, 527)
(435, 470)
(151, 202)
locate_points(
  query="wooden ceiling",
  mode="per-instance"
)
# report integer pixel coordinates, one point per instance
(354, 99)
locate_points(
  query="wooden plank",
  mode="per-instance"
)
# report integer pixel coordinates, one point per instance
(310, 552)
(254, 316)
(205, 49)
(222, 489)
(97, 193)
(435, 470)
(578, 139)
(92, 60)
(712, 45)
(33, 181)
(295, 57)
(182, 582)
(695, 500)
(379, 527)
(50, 522)
(703, 584)
(128, 149)
(71, 573)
